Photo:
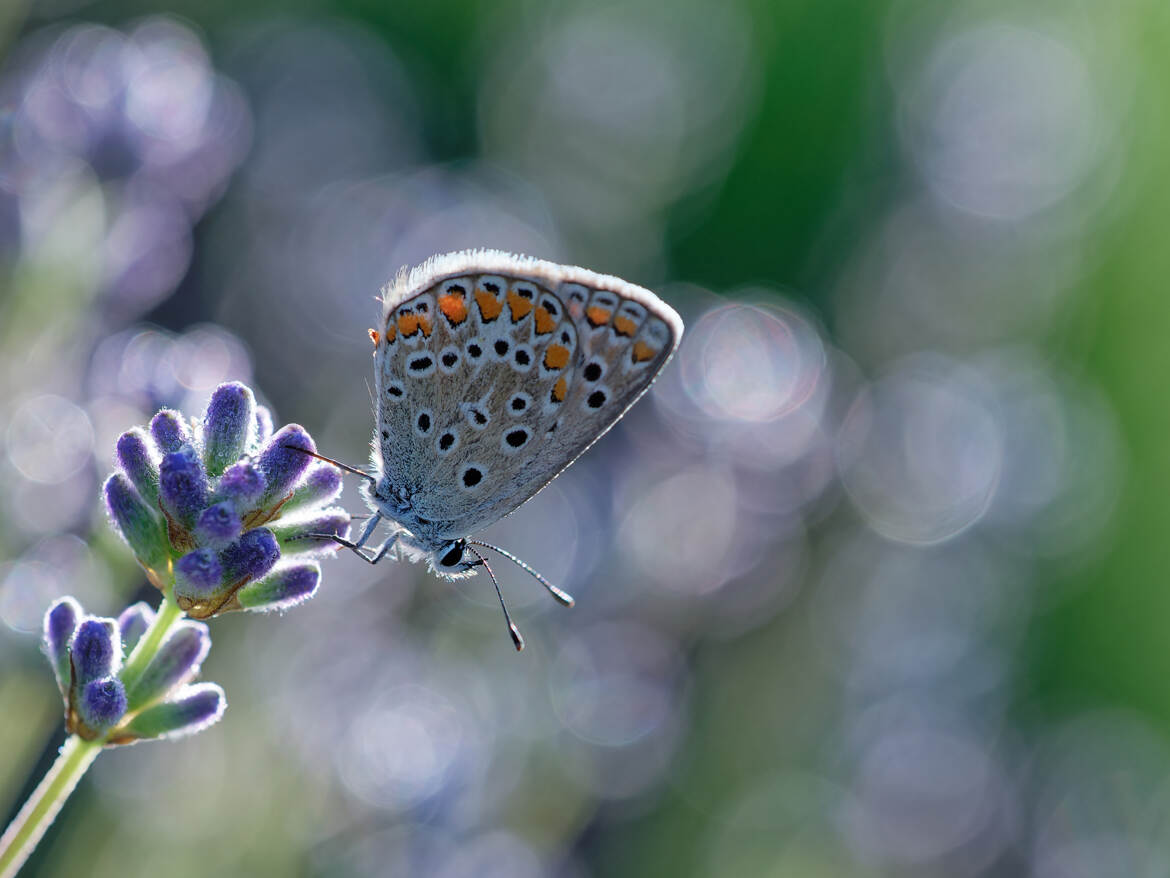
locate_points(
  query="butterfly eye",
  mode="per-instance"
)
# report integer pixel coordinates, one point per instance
(453, 556)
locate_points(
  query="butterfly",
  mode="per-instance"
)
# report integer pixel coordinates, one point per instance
(493, 372)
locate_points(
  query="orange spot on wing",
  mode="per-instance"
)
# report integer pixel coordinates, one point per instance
(391, 332)
(560, 389)
(424, 323)
(545, 323)
(454, 308)
(489, 307)
(556, 357)
(519, 306)
(375, 336)
(597, 315)
(408, 324)
(624, 325)
(642, 352)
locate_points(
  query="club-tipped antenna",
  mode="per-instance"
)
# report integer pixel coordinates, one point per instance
(337, 463)
(561, 596)
(512, 629)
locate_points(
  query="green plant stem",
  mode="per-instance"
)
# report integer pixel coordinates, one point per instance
(38, 813)
(42, 806)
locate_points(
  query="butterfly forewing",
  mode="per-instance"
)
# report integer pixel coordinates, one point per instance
(494, 372)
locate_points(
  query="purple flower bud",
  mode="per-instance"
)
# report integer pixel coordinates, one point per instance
(94, 650)
(198, 574)
(229, 420)
(183, 487)
(195, 708)
(169, 431)
(251, 556)
(263, 425)
(282, 464)
(101, 704)
(138, 524)
(218, 525)
(294, 538)
(133, 623)
(136, 458)
(283, 588)
(321, 486)
(176, 662)
(243, 485)
(60, 623)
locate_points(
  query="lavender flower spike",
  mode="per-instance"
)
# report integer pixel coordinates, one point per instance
(194, 709)
(60, 623)
(136, 457)
(281, 462)
(227, 426)
(133, 623)
(183, 487)
(169, 431)
(100, 705)
(243, 485)
(283, 588)
(138, 524)
(198, 575)
(177, 662)
(96, 650)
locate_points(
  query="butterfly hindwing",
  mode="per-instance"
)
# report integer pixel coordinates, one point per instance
(494, 372)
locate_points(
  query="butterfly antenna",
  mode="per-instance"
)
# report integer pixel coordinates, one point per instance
(562, 597)
(337, 463)
(512, 629)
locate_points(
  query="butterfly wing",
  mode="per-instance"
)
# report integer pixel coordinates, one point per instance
(495, 372)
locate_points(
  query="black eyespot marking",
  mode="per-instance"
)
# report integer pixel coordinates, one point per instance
(450, 359)
(596, 399)
(385, 434)
(518, 403)
(522, 358)
(501, 347)
(457, 288)
(424, 422)
(452, 557)
(478, 416)
(492, 287)
(472, 477)
(592, 372)
(550, 307)
(474, 351)
(394, 390)
(422, 307)
(446, 441)
(565, 338)
(516, 438)
(421, 364)
(525, 292)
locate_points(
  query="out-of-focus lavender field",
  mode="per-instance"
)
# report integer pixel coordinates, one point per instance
(875, 582)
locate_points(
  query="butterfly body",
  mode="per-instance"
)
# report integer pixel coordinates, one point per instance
(492, 373)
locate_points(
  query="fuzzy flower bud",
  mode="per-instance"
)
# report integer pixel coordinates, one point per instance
(100, 704)
(295, 536)
(133, 623)
(96, 650)
(60, 623)
(198, 575)
(227, 425)
(138, 524)
(283, 588)
(183, 487)
(243, 485)
(218, 525)
(281, 462)
(263, 428)
(251, 556)
(321, 486)
(169, 431)
(193, 709)
(136, 458)
(176, 662)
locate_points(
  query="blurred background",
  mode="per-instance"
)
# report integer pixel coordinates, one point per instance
(874, 582)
